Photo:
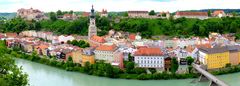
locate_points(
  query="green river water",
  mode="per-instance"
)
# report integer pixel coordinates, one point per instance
(43, 75)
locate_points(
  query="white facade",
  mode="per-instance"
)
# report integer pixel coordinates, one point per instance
(202, 56)
(64, 39)
(107, 56)
(149, 61)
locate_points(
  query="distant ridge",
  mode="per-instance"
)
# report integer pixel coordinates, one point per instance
(8, 15)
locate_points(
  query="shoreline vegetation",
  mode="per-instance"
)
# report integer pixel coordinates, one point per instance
(148, 28)
(107, 70)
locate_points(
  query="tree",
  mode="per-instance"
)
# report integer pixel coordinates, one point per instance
(53, 16)
(87, 67)
(209, 13)
(71, 12)
(130, 58)
(190, 60)
(152, 12)
(130, 67)
(10, 74)
(174, 65)
(59, 13)
(125, 14)
(234, 13)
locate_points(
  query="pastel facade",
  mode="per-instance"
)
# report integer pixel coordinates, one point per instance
(198, 15)
(105, 53)
(88, 56)
(220, 56)
(149, 58)
(138, 14)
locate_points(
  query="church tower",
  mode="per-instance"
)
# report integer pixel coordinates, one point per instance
(92, 29)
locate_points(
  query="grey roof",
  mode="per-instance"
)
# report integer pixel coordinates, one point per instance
(234, 48)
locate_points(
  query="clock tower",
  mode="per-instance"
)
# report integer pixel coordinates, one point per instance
(92, 29)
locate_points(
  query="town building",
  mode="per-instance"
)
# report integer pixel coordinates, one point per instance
(198, 15)
(31, 14)
(69, 17)
(216, 57)
(149, 58)
(92, 29)
(64, 39)
(164, 15)
(218, 13)
(87, 56)
(104, 13)
(105, 52)
(167, 63)
(138, 14)
(76, 55)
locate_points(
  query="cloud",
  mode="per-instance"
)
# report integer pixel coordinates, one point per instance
(117, 5)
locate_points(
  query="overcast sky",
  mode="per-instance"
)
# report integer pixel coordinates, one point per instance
(117, 5)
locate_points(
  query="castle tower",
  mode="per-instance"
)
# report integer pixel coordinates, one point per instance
(92, 29)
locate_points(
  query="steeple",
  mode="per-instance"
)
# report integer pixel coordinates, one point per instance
(92, 15)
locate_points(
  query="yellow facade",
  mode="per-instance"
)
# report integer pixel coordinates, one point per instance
(217, 60)
(87, 58)
(76, 56)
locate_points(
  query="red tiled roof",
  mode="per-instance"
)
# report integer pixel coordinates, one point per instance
(107, 47)
(192, 13)
(98, 39)
(132, 37)
(148, 52)
(207, 45)
(137, 11)
(42, 46)
(216, 12)
(11, 34)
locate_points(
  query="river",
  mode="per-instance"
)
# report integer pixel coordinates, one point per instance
(43, 75)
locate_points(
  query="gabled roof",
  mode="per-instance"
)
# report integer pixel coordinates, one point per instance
(149, 52)
(192, 13)
(107, 47)
(217, 12)
(98, 39)
(137, 11)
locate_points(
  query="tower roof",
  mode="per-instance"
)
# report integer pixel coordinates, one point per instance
(92, 15)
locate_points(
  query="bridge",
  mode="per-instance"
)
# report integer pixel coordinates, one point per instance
(205, 76)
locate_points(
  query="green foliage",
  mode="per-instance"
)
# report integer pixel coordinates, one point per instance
(174, 65)
(209, 13)
(80, 43)
(10, 74)
(152, 12)
(130, 67)
(53, 16)
(130, 58)
(228, 65)
(190, 60)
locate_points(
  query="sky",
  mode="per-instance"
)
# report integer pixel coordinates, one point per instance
(117, 5)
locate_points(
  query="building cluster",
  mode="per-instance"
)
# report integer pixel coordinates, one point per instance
(215, 51)
(179, 14)
(31, 14)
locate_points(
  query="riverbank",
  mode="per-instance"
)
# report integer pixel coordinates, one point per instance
(100, 69)
(107, 70)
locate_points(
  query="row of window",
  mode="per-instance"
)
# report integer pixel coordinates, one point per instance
(149, 61)
(150, 65)
(149, 58)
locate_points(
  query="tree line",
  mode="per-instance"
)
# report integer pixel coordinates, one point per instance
(181, 27)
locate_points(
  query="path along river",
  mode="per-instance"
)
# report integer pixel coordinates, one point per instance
(43, 75)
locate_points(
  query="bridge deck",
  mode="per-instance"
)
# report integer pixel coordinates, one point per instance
(209, 76)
